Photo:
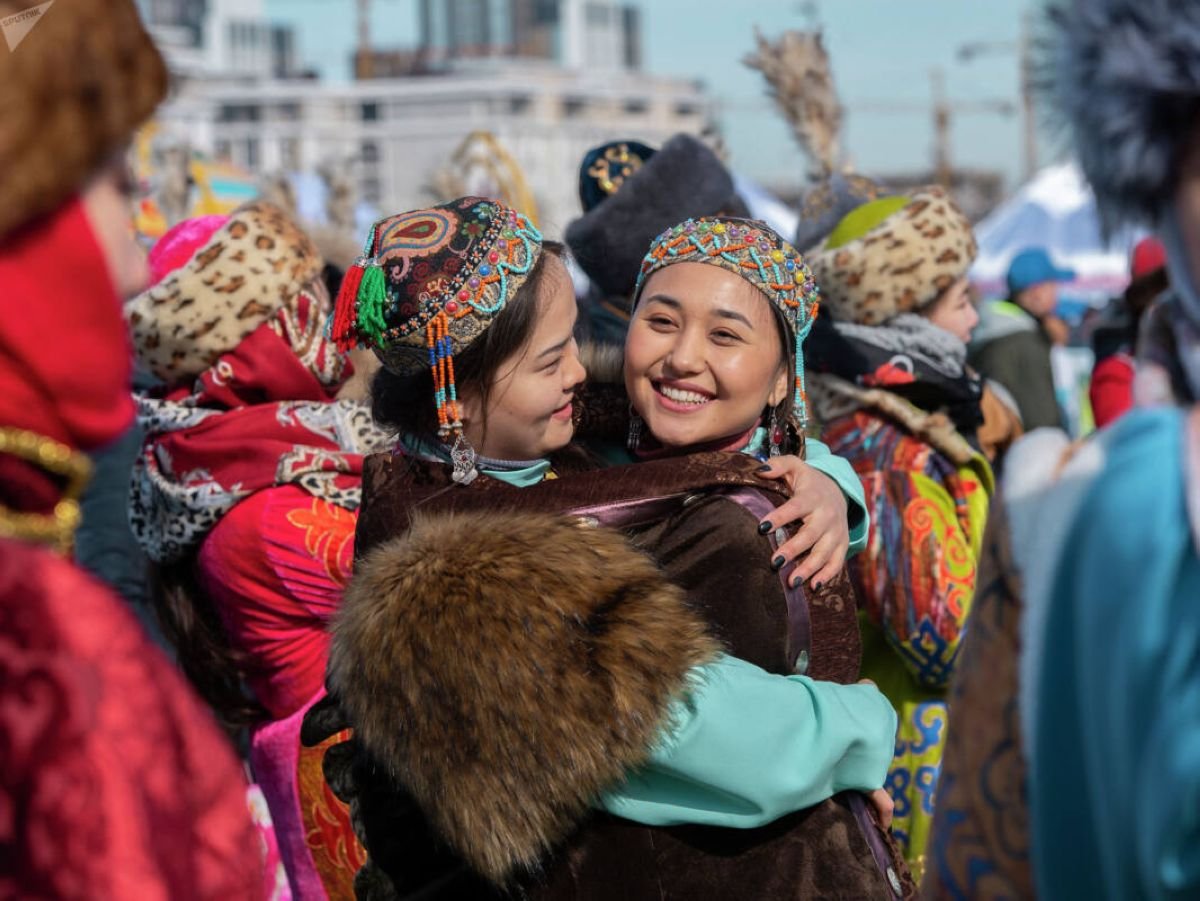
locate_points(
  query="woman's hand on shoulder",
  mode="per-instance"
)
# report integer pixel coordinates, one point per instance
(819, 505)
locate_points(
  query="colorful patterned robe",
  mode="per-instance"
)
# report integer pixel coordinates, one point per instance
(915, 581)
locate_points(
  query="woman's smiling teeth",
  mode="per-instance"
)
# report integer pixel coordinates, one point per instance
(682, 396)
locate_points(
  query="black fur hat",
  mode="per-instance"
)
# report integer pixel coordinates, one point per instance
(681, 181)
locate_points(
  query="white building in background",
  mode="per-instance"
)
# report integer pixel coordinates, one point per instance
(549, 78)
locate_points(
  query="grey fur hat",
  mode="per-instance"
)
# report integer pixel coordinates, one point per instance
(683, 180)
(1126, 76)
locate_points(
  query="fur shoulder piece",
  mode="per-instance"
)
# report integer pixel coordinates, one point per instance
(506, 669)
(605, 363)
(834, 397)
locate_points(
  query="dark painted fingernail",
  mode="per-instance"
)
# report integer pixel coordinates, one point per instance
(817, 586)
(764, 528)
(764, 468)
(777, 563)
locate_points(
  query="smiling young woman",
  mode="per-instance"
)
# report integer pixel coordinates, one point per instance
(704, 356)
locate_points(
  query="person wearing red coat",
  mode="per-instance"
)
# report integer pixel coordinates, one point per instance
(116, 782)
(1111, 388)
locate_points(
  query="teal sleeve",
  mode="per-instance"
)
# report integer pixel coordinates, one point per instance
(820, 458)
(747, 747)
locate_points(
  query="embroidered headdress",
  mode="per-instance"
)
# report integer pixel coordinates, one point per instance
(429, 283)
(752, 250)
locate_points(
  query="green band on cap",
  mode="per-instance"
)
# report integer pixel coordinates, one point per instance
(861, 220)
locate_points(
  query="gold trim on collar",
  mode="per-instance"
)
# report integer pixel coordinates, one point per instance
(56, 529)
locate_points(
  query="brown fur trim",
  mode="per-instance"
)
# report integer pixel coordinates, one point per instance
(900, 265)
(72, 92)
(256, 263)
(834, 397)
(507, 669)
(605, 363)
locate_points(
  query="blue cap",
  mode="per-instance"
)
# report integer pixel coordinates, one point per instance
(1033, 266)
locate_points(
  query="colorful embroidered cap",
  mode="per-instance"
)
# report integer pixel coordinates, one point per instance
(429, 283)
(754, 251)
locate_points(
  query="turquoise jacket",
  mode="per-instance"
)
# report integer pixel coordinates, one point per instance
(744, 746)
(1115, 763)
(822, 459)
(747, 747)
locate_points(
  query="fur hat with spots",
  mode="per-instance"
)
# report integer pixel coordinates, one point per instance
(256, 263)
(893, 255)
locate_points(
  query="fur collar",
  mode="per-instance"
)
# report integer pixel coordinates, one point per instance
(506, 668)
(833, 397)
(605, 363)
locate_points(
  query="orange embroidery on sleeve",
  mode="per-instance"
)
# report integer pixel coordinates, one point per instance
(328, 536)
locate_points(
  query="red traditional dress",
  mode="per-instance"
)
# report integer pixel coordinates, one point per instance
(114, 780)
(254, 472)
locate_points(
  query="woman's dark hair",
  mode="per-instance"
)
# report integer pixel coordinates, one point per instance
(190, 623)
(405, 403)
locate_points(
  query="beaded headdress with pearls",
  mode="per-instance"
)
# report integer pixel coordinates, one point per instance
(754, 251)
(429, 283)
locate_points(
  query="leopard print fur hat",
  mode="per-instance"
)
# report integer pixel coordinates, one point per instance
(893, 255)
(256, 263)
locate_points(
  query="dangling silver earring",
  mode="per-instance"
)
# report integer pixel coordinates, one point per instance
(462, 455)
(774, 435)
(635, 431)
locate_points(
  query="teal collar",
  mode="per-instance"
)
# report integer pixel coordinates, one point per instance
(519, 475)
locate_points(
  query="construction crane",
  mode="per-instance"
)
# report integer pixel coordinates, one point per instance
(1023, 48)
(364, 61)
(943, 111)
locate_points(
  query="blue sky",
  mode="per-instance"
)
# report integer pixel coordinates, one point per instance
(882, 52)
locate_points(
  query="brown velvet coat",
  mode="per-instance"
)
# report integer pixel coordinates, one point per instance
(710, 548)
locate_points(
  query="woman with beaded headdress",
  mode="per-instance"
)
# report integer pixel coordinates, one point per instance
(893, 393)
(1076, 774)
(535, 704)
(629, 193)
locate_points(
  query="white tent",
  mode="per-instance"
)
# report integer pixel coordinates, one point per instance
(1056, 211)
